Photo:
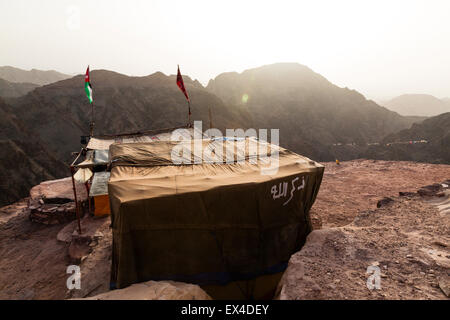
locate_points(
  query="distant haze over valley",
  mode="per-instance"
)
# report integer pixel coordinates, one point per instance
(418, 105)
(38, 77)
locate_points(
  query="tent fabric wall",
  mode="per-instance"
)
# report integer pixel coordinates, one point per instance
(206, 223)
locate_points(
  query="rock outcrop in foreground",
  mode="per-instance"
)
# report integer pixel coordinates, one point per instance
(156, 290)
(53, 202)
(406, 241)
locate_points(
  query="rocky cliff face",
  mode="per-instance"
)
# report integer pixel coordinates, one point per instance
(436, 132)
(14, 90)
(24, 159)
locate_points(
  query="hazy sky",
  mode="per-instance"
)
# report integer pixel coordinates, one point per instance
(380, 48)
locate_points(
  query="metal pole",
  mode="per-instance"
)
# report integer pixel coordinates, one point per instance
(189, 114)
(210, 118)
(72, 172)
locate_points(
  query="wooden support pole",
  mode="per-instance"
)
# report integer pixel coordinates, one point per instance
(72, 172)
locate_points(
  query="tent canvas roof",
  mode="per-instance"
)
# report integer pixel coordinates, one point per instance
(150, 165)
(98, 147)
(104, 142)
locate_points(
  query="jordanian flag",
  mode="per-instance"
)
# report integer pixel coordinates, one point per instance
(87, 86)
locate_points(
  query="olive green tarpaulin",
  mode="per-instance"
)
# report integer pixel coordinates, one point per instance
(207, 222)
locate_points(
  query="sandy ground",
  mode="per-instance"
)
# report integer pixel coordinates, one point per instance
(33, 262)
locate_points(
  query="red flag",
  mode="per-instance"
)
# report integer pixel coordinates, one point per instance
(86, 77)
(180, 84)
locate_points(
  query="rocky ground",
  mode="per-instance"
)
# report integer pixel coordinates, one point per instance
(32, 262)
(356, 186)
(406, 238)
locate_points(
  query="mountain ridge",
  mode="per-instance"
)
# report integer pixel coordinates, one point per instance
(311, 112)
(418, 105)
(35, 76)
(60, 112)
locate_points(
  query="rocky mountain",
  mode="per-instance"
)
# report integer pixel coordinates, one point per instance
(59, 113)
(425, 141)
(435, 130)
(24, 158)
(418, 105)
(13, 89)
(311, 113)
(38, 77)
(42, 128)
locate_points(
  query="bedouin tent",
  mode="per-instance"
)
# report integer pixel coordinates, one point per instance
(97, 158)
(207, 223)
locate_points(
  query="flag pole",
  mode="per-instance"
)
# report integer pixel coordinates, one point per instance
(88, 89)
(92, 120)
(180, 84)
